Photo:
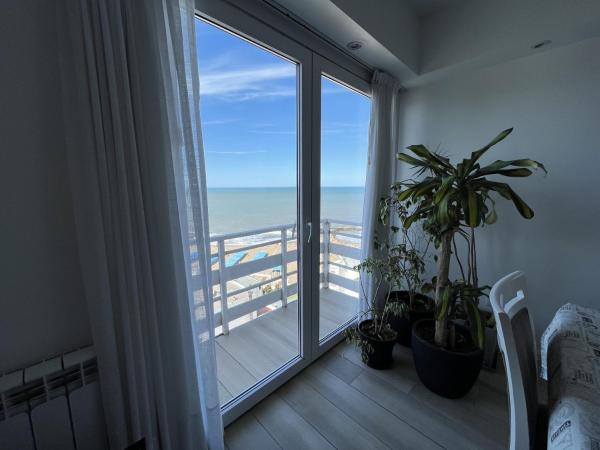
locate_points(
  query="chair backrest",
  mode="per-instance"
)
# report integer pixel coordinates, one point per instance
(517, 343)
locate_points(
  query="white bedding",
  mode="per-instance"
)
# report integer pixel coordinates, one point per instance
(570, 361)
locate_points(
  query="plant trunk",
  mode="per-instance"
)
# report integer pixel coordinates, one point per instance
(441, 325)
(441, 332)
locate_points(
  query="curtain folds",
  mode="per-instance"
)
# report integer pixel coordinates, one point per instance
(383, 145)
(131, 101)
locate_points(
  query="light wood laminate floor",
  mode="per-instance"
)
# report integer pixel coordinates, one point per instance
(338, 402)
(255, 349)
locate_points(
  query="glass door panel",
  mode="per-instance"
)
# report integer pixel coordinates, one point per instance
(249, 110)
(344, 140)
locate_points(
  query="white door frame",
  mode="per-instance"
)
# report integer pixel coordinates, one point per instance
(261, 25)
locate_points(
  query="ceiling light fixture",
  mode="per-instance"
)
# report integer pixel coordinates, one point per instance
(541, 44)
(354, 45)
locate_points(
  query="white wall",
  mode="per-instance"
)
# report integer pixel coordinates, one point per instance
(42, 309)
(553, 101)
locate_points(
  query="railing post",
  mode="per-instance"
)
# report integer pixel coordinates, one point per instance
(223, 285)
(325, 254)
(284, 291)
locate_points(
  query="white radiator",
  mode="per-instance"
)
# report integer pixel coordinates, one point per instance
(53, 405)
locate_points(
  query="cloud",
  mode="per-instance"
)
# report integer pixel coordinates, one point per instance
(291, 132)
(344, 127)
(270, 128)
(260, 81)
(217, 122)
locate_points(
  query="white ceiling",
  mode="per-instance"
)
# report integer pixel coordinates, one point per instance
(326, 17)
(424, 7)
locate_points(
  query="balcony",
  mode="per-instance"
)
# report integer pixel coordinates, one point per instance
(255, 293)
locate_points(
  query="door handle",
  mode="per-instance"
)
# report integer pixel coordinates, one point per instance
(310, 229)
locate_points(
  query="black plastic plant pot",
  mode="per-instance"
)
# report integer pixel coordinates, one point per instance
(448, 373)
(380, 357)
(403, 324)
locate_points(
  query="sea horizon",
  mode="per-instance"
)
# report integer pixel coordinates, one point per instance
(279, 187)
(236, 209)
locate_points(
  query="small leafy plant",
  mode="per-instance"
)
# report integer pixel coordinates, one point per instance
(409, 251)
(384, 273)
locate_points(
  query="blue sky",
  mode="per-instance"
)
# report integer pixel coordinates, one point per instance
(248, 110)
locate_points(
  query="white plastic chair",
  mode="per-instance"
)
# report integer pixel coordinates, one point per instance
(516, 339)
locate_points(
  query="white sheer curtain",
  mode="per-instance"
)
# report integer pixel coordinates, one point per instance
(383, 146)
(131, 101)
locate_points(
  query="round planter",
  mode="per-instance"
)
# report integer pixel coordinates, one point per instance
(381, 356)
(450, 374)
(403, 324)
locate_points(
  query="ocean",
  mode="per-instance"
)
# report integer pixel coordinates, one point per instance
(233, 210)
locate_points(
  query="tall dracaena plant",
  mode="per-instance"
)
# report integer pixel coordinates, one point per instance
(451, 199)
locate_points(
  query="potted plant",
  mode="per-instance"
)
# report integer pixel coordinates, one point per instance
(451, 200)
(409, 251)
(373, 335)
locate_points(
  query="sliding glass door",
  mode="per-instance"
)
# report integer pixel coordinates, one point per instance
(284, 134)
(340, 139)
(344, 138)
(249, 110)
(254, 115)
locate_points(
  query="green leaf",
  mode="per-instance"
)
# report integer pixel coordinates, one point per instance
(436, 160)
(471, 208)
(421, 151)
(442, 215)
(496, 167)
(477, 327)
(491, 168)
(410, 160)
(522, 207)
(384, 210)
(444, 188)
(492, 217)
(409, 221)
(515, 172)
(426, 186)
(501, 136)
(529, 163)
(506, 191)
(403, 195)
(469, 164)
(417, 214)
(492, 186)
